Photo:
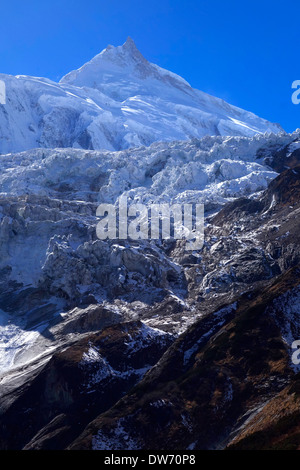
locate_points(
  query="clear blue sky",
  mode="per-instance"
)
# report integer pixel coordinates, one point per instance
(246, 52)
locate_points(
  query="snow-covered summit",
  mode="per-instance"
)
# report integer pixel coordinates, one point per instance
(123, 61)
(115, 101)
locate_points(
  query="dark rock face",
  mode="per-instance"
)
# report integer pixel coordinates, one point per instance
(276, 426)
(205, 385)
(79, 383)
(282, 159)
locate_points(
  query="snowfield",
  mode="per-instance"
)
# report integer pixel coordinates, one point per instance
(118, 100)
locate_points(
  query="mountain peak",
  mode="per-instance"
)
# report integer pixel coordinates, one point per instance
(129, 44)
(111, 62)
(125, 55)
(152, 94)
(121, 55)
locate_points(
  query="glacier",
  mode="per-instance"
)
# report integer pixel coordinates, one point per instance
(212, 171)
(50, 259)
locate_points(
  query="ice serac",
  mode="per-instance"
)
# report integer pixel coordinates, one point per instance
(116, 101)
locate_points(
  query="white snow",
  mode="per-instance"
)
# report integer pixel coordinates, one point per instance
(14, 339)
(117, 100)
